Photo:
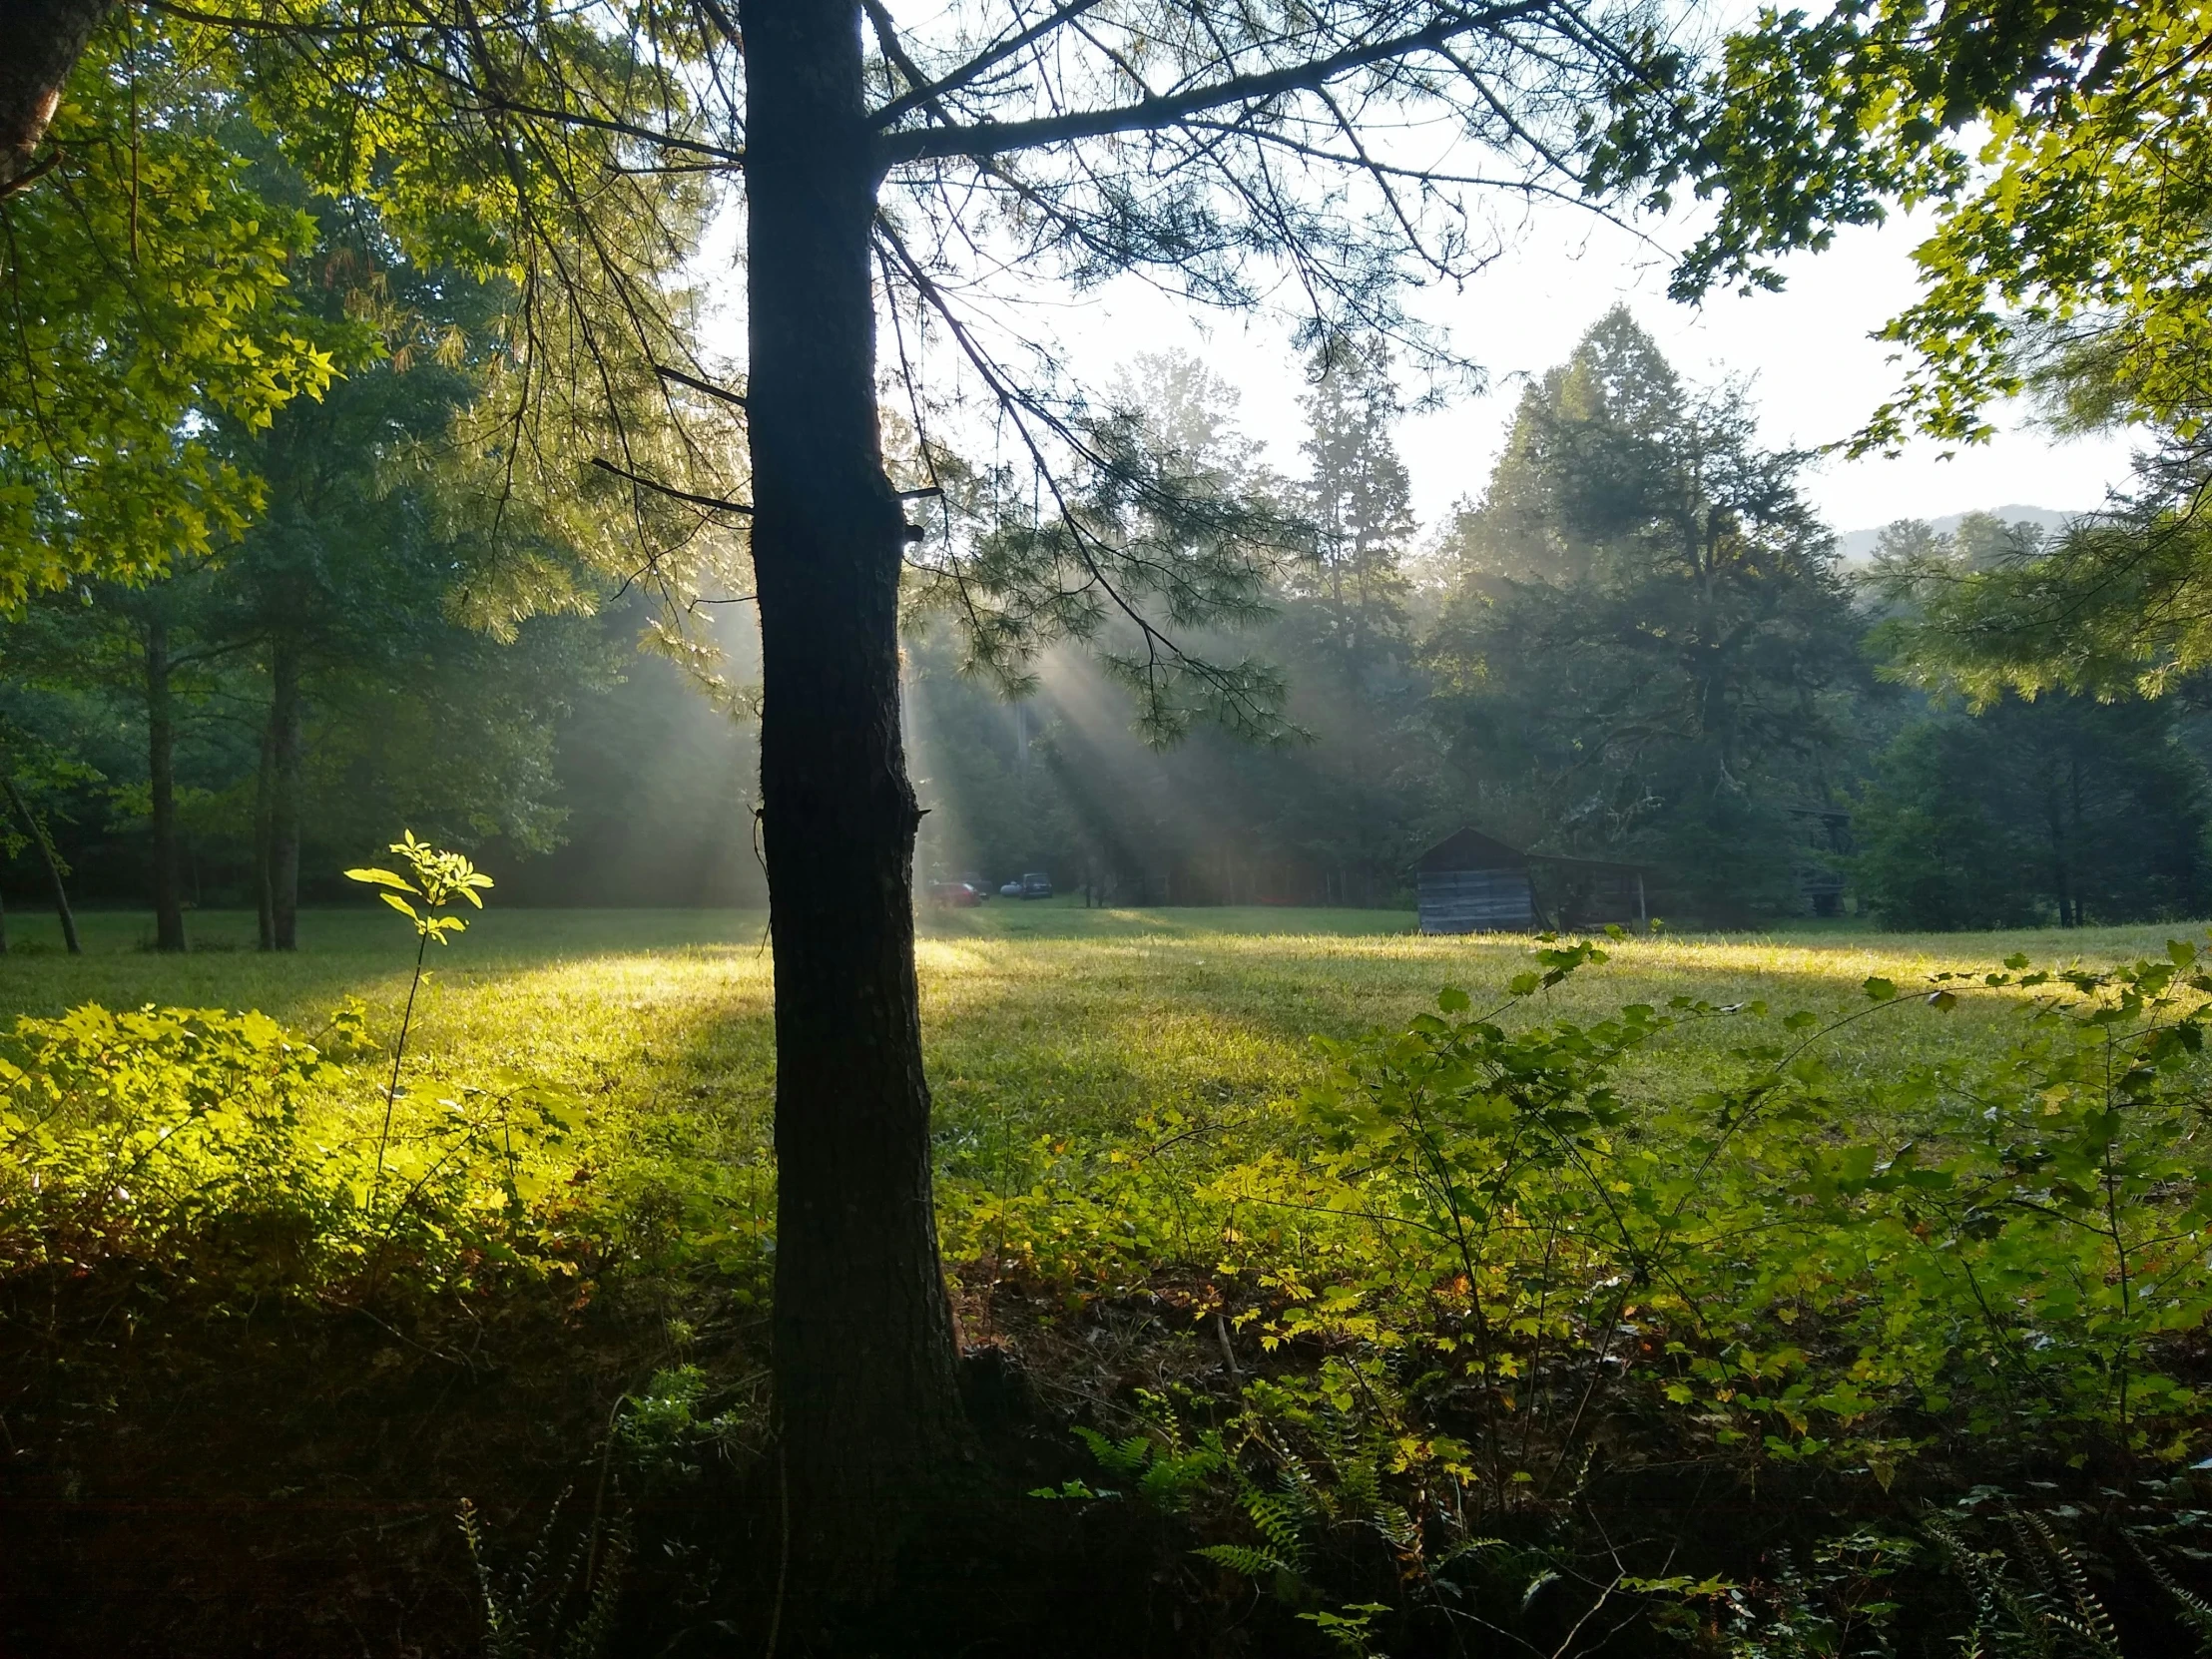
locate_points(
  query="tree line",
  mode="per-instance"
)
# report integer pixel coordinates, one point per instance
(1636, 643)
(395, 630)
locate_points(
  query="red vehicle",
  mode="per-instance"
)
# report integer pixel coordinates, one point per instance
(954, 895)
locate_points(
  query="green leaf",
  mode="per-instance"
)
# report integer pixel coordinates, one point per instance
(1244, 1559)
(382, 878)
(400, 904)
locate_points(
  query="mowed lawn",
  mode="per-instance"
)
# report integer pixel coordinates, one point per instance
(1040, 1017)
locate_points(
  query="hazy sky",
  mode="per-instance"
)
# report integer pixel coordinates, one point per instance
(1814, 371)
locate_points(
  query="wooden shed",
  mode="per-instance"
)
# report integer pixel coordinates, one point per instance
(1587, 892)
(1471, 884)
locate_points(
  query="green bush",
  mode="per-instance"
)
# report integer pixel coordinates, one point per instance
(217, 1149)
(1812, 1265)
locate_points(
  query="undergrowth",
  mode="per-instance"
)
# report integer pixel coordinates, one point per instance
(1473, 1263)
(187, 1141)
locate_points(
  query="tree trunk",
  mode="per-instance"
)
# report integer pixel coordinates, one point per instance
(265, 797)
(40, 43)
(285, 719)
(160, 774)
(52, 860)
(866, 1363)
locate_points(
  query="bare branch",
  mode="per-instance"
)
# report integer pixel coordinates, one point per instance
(713, 503)
(1163, 655)
(992, 137)
(699, 385)
(266, 25)
(572, 118)
(899, 107)
(886, 35)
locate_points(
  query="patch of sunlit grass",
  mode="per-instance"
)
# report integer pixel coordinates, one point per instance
(1040, 1019)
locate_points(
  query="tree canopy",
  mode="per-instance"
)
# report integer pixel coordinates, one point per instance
(2057, 149)
(148, 296)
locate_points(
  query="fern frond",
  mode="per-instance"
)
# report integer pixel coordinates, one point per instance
(1466, 1546)
(1243, 1558)
(1360, 1482)
(1281, 1519)
(1996, 1604)
(2090, 1622)
(2036, 1559)
(498, 1642)
(592, 1633)
(2193, 1611)
(1399, 1529)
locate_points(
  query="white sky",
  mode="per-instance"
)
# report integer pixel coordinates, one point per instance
(1814, 372)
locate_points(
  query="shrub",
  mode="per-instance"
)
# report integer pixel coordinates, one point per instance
(213, 1147)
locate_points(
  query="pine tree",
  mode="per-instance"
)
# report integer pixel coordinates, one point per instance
(1645, 657)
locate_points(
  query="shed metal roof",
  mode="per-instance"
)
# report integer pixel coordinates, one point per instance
(1469, 848)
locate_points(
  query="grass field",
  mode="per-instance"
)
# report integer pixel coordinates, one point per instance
(1041, 1021)
(1119, 1148)
(1047, 1015)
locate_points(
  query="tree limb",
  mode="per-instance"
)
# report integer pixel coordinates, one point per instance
(699, 385)
(991, 137)
(713, 502)
(899, 107)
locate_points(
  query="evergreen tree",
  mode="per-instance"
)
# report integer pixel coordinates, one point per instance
(1360, 499)
(1649, 652)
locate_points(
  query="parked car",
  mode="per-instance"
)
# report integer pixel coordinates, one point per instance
(955, 896)
(1036, 885)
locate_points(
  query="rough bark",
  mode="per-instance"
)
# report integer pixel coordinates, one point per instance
(52, 860)
(865, 1361)
(160, 774)
(40, 43)
(286, 717)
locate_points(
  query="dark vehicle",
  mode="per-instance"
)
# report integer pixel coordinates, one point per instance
(1036, 885)
(955, 896)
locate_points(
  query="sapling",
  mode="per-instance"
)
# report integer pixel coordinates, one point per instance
(439, 879)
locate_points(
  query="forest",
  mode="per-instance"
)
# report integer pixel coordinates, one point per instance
(707, 944)
(1564, 662)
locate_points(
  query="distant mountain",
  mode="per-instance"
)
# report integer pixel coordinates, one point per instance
(1857, 546)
